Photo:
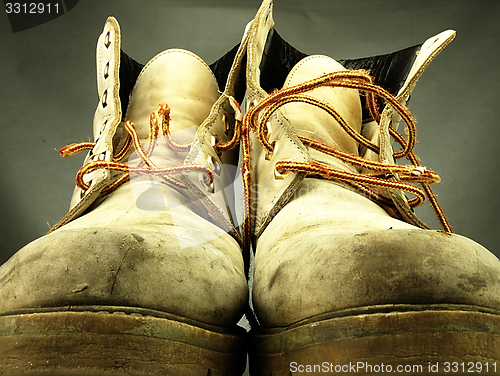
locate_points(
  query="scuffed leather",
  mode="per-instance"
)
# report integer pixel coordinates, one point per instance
(146, 244)
(328, 248)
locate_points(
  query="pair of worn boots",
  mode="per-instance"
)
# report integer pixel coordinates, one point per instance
(267, 152)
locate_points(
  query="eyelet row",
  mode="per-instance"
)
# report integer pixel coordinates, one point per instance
(105, 155)
(104, 103)
(107, 43)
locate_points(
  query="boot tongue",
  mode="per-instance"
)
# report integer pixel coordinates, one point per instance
(315, 123)
(184, 82)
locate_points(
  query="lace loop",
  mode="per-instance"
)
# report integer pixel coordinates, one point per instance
(160, 118)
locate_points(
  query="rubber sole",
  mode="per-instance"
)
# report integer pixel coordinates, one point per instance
(102, 342)
(451, 340)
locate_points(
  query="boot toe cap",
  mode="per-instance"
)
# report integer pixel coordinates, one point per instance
(333, 272)
(120, 267)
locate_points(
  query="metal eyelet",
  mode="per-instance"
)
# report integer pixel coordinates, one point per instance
(214, 165)
(225, 123)
(268, 130)
(106, 70)
(105, 99)
(267, 135)
(270, 154)
(107, 39)
(101, 156)
(251, 104)
(208, 187)
(278, 176)
(213, 141)
(103, 126)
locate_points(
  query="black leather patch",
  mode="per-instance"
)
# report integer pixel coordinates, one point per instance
(129, 71)
(390, 70)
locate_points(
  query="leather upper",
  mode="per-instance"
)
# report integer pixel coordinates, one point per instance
(146, 244)
(324, 247)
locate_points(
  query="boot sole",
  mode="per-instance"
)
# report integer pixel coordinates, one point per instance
(428, 340)
(99, 341)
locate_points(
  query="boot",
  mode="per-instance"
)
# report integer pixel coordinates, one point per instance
(145, 274)
(346, 277)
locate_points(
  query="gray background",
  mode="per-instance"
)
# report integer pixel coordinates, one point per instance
(48, 92)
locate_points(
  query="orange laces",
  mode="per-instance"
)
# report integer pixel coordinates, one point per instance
(386, 175)
(160, 118)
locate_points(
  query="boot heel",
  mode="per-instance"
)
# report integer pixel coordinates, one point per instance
(426, 342)
(119, 343)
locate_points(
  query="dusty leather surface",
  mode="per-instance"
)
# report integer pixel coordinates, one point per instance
(146, 244)
(336, 247)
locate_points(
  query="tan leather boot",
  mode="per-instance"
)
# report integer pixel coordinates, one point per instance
(345, 277)
(145, 274)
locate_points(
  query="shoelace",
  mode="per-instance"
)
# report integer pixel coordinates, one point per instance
(257, 118)
(159, 119)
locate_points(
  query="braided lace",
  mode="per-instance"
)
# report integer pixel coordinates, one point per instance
(385, 174)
